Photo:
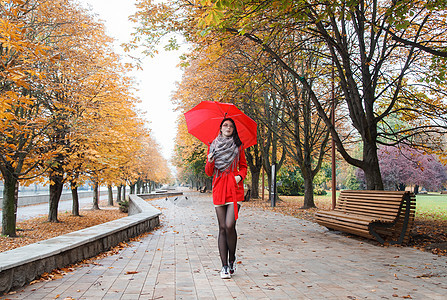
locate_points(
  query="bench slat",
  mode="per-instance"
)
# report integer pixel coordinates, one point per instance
(355, 219)
(393, 202)
(356, 205)
(350, 229)
(383, 198)
(368, 210)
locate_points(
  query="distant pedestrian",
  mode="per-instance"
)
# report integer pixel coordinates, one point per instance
(227, 164)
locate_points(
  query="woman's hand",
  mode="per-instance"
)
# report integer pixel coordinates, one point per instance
(238, 178)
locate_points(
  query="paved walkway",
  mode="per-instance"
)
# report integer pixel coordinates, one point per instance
(279, 257)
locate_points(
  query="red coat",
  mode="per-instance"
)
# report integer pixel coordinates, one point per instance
(225, 188)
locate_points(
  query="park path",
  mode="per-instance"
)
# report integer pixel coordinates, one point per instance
(280, 257)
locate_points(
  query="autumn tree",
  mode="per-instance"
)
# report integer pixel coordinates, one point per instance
(73, 36)
(83, 86)
(379, 76)
(189, 153)
(22, 121)
(244, 75)
(67, 107)
(286, 118)
(304, 135)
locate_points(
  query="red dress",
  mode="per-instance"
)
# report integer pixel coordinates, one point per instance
(225, 188)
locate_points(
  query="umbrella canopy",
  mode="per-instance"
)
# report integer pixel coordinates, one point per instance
(204, 120)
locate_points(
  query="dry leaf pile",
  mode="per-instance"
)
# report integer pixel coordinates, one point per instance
(38, 229)
(427, 234)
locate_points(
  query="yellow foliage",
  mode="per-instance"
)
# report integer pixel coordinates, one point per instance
(84, 114)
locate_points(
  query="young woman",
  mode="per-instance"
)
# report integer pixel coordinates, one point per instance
(227, 164)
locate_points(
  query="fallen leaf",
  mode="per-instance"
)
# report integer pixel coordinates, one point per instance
(131, 272)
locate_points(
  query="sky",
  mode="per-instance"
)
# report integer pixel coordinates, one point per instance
(157, 79)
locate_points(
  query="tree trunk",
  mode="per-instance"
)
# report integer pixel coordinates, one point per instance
(109, 189)
(401, 187)
(55, 194)
(132, 189)
(139, 185)
(118, 194)
(308, 192)
(124, 192)
(255, 184)
(373, 179)
(209, 183)
(254, 161)
(371, 168)
(9, 207)
(95, 196)
(75, 197)
(416, 189)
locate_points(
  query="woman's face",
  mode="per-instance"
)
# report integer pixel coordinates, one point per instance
(227, 128)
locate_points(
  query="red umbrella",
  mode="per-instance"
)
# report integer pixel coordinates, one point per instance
(204, 119)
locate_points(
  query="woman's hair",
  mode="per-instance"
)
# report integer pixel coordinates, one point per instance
(235, 135)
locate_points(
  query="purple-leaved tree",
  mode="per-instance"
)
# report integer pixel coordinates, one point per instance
(404, 166)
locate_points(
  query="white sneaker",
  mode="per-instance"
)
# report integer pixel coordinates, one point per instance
(233, 266)
(225, 273)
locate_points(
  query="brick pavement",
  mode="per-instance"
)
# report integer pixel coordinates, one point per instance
(279, 257)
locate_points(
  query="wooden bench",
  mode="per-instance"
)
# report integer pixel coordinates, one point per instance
(386, 216)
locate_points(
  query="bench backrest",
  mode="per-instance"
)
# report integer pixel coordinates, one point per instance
(377, 204)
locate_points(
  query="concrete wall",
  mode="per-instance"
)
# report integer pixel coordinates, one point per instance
(20, 266)
(36, 199)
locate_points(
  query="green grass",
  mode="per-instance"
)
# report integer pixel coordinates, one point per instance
(431, 206)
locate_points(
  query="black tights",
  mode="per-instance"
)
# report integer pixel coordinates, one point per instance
(227, 233)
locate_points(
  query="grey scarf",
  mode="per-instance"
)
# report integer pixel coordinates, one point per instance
(226, 153)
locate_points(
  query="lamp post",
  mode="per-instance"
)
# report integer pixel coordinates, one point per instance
(334, 188)
(273, 187)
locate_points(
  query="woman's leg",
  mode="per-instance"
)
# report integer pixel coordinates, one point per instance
(227, 238)
(231, 232)
(221, 212)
